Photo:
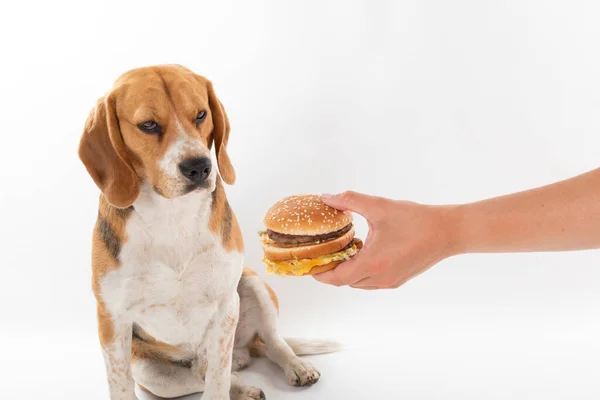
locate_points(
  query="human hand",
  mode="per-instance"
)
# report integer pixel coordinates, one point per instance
(404, 240)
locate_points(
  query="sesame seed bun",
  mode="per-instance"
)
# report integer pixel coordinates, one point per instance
(305, 215)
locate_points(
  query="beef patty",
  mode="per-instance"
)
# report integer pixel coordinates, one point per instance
(306, 239)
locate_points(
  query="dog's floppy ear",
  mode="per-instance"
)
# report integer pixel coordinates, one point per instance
(220, 136)
(103, 152)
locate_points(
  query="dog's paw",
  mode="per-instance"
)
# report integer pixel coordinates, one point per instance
(241, 359)
(301, 373)
(248, 393)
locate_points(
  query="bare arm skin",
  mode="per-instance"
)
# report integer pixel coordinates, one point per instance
(406, 238)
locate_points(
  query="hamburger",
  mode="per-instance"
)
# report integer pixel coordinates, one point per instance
(304, 236)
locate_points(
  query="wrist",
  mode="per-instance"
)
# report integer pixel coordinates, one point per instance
(454, 220)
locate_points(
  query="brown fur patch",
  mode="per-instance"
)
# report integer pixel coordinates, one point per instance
(221, 136)
(226, 341)
(105, 156)
(226, 353)
(229, 322)
(106, 327)
(273, 296)
(256, 347)
(146, 346)
(223, 221)
(248, 272)
(108, 237)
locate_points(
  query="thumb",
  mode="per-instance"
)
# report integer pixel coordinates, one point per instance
(352, 201)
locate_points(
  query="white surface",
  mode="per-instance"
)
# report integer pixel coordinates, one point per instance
(501, 365)
(432, 101)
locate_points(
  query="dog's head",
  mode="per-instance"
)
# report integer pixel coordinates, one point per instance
(157, 125)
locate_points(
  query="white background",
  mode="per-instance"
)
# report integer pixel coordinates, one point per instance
(431, 101)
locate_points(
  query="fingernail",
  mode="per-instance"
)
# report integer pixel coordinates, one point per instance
(326, 195)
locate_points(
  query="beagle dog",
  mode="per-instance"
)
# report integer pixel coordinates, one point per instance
(177, 310)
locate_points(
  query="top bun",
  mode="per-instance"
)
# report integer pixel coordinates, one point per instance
(305, 215)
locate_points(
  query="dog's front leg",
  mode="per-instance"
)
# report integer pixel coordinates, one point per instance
(115, 338)
(219, 350)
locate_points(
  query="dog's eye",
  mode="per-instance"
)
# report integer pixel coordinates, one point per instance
(149, 127)
(200, 117)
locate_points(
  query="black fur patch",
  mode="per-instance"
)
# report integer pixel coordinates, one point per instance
(227, 213)
(124, 212)
(183, 363)
(135, 331)
(109, 237)
(218, 186)
(226, 223)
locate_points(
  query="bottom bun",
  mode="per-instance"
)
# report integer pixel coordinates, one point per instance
(319, 269)
(311, 266)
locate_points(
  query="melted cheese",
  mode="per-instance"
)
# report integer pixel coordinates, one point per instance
(300, 267)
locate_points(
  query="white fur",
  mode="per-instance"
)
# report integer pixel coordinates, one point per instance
(185, 145)
(117, 361)
(258, 315)
(178, 284)
(167, 380)
(176, 281)
(303, 347)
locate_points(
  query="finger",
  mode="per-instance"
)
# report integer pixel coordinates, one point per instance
(329, 278)
(383, 280)
(379, 282)
(352, 201)
(365, 287)
(369, 282)
(348, 272)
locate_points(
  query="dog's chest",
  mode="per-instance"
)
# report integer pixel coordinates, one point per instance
(174, 275)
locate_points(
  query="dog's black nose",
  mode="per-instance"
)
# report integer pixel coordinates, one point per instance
(196, 169)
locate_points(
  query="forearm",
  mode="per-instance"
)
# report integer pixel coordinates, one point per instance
(558, 217)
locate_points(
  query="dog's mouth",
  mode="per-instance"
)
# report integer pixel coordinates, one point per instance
(189, 188)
